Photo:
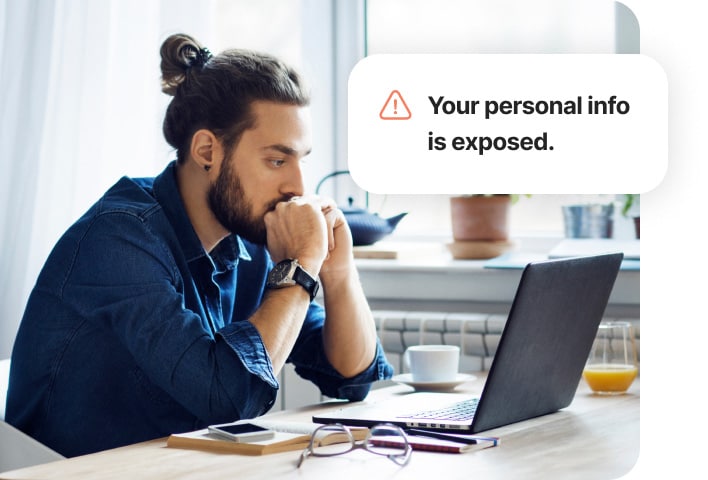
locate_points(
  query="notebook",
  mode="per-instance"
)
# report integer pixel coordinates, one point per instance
(538, 364)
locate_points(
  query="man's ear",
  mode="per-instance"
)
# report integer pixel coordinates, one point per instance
(204, 149)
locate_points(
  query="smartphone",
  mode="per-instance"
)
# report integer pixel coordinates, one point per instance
(241, 432)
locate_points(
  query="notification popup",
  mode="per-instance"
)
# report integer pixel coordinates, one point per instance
(439, 123)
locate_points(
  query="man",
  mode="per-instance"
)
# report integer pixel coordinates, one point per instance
(174, 302)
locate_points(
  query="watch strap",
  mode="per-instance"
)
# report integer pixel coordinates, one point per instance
(307, 281)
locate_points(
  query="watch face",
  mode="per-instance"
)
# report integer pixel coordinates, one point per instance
(280, 273)
(288, 273)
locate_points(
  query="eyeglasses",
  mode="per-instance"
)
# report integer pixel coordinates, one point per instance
(384, 439)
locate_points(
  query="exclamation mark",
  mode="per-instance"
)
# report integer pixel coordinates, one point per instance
(391, 110)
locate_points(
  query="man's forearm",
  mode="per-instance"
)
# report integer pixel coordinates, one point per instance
(349, 331)
(279, 320)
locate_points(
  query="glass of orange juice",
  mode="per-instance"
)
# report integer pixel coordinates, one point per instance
(612, 365)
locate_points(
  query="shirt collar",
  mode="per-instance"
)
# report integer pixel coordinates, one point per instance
(224, 255)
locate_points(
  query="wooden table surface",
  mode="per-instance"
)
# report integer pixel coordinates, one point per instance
(594, 438)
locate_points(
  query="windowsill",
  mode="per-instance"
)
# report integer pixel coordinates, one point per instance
(425, 275)
(425, 253)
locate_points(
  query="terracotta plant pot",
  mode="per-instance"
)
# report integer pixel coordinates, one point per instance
(480, 226)
(480, 218)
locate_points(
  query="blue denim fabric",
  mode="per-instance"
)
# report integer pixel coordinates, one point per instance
(134, 332)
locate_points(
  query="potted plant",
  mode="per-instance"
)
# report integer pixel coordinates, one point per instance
(630, 208)
(480, 225)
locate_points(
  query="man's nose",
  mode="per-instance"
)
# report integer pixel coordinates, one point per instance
(294, 185)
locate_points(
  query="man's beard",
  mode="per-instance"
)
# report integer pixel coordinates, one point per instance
(230, 207)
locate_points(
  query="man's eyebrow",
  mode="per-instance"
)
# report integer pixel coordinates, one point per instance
(286, 150)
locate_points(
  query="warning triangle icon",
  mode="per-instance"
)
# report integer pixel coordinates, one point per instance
(395, 108)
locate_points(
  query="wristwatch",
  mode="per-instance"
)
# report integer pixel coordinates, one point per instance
(288, 273)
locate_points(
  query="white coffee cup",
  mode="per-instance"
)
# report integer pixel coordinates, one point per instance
(433, 363)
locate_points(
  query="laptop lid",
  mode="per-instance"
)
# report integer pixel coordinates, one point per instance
(539, 361)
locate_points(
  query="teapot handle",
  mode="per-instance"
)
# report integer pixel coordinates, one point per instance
(334, 174)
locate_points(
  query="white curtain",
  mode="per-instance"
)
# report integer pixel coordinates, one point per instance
(80, 106)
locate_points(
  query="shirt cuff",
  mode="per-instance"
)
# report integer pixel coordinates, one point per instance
(245, 341)
(354, 389)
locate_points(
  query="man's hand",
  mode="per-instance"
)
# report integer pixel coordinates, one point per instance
(313, 230)
(339, 260)
(299, 229)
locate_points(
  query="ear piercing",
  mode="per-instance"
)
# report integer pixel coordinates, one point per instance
(207, 167)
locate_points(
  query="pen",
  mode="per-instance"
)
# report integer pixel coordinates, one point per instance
(468, 440)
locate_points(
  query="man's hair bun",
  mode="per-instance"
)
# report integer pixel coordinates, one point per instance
(180, 53)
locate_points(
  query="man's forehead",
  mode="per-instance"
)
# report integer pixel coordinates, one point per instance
(280, 127)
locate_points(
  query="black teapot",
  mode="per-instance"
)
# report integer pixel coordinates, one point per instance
(367, 228)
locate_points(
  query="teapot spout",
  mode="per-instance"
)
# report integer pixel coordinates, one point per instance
(393, 221)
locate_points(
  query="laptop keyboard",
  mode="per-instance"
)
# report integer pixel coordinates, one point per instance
(463, 410)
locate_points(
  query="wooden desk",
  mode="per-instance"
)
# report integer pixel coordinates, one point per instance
(594, 438)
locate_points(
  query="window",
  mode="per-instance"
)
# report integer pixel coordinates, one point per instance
(498, 26)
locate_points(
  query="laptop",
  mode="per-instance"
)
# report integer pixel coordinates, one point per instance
(538, 364)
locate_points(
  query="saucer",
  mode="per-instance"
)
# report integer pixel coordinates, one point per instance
(407, 379)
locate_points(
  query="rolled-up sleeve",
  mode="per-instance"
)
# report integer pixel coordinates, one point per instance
(246, 343)
(312, 364)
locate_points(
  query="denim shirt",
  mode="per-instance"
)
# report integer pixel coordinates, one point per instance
(134, 332)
